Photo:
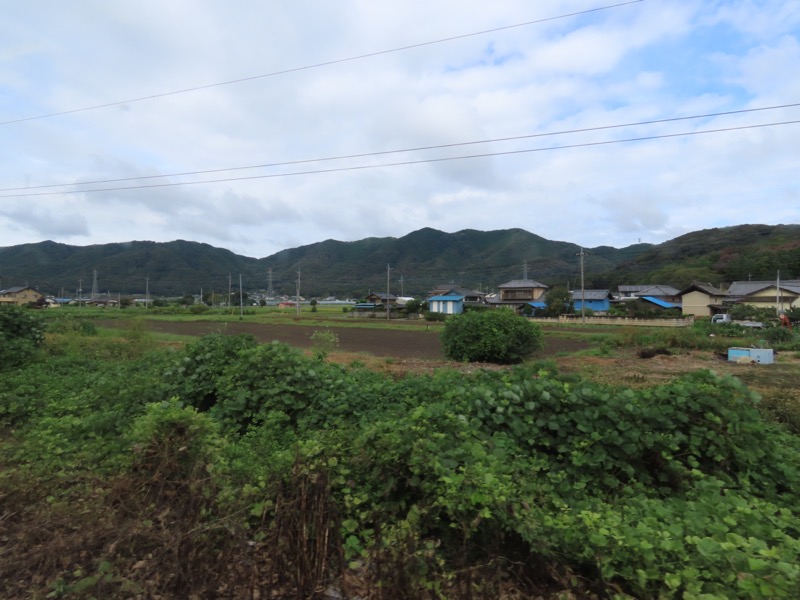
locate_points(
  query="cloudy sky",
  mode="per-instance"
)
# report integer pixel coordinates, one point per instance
(264, 125)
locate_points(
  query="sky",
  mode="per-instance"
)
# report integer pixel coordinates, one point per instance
(262, 126)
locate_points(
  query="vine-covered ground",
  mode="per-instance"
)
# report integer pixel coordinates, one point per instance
(226, 468)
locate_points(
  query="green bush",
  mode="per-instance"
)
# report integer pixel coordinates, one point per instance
(21, 335)
(496, 336)
(195, 375)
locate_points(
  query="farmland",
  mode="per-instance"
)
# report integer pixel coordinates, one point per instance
(140, 459)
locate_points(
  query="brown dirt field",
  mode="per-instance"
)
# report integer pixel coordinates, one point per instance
(394, 343)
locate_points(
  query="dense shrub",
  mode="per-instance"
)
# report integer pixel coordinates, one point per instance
(195, 373)
(495, 336)
(21, 334)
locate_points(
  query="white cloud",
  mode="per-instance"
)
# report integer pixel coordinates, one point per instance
(649, 60)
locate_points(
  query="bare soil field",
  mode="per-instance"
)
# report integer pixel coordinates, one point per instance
(393, 343)
(419, 350)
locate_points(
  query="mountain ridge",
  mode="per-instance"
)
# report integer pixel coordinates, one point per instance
(415, 263)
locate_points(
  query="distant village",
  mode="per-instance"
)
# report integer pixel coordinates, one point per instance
(526, 296)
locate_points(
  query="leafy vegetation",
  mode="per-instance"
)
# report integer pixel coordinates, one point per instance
(21, 334)
(494, 336)
(229, 469)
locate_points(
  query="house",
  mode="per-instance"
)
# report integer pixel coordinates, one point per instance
(20, 296)
(471, 297)
(101, 302)
(702, 299)
(667, 293)
(448, 304)
(630, 291)
(594, 300)
(377, 298)
(518, 292)
(766, 294)
(662, 292)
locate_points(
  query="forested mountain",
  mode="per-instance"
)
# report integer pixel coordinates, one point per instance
(414, 263)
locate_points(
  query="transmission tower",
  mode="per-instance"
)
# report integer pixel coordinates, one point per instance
(94, 284)
(270, 291)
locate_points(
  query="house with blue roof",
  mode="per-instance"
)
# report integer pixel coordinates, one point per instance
(448, 304)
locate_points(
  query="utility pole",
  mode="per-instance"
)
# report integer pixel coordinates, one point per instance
(147, 292)
(270, 292)
(94, 285)
(401, 286)
(229, 292)
(778, 303)
(80, 293)
(241, 298)
(388, 304)
(297, 299)
(583, 289)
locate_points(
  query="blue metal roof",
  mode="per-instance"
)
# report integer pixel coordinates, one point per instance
(538, 304)
(659, 302)
(446, 298)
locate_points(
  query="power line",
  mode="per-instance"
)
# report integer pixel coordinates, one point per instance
(410, 162)
(321, 64)
(403, 150)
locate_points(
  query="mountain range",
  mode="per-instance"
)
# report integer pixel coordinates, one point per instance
(411, 265)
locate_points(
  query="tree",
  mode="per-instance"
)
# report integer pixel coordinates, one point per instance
(558, 301)
(496, 336)
(412, 306)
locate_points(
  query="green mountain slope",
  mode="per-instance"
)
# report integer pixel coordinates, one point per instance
(415, 263)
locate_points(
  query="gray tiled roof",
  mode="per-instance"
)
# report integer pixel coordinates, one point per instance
(704, 287)
(659, 290)
(745, 288)
(591, 294)
(522, 283)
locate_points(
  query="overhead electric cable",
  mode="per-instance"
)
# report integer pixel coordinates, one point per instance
(321, 64)
(402, 150)
(410, 162)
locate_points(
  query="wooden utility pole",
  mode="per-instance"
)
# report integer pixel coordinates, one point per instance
(388, 304)
(583, 289)
(297, 299)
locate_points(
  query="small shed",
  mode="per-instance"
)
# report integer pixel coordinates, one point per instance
(448, 305)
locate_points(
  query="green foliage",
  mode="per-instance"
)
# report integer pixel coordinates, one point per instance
(747, 312)
(194, 374)
(496, 336)
(275, 377)
(558, 301)
(413, 306)
(438, 482)
(21, 335)
(324, 343)
(173, 442)
(71, 323)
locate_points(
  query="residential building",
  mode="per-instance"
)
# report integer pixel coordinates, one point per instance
(766, 294)
(519, 292)
(20, 296)
(382, 298)
(702, 299)
(594, 300)
(471, 297)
